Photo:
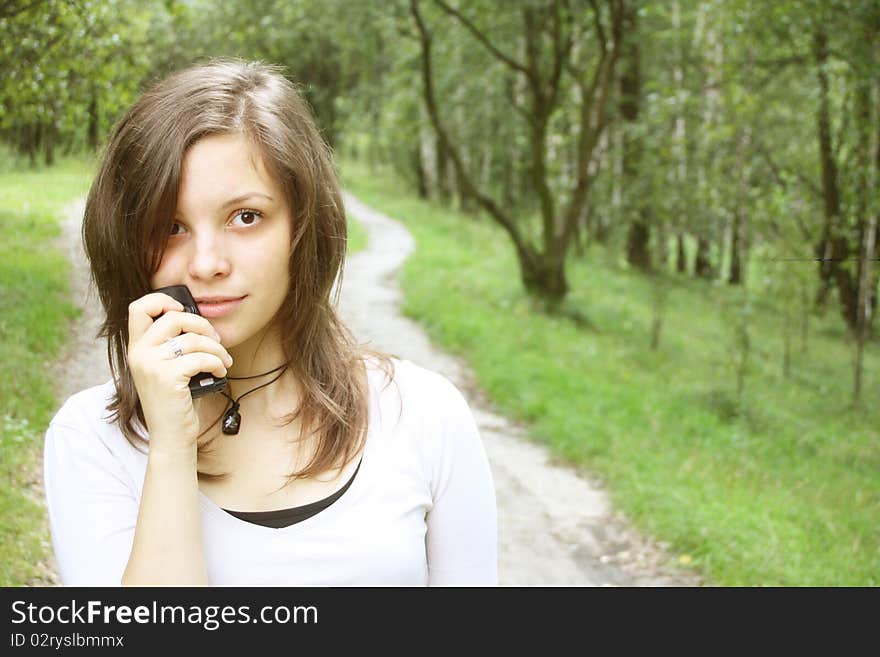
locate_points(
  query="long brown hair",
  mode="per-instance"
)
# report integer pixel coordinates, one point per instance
(128, 219)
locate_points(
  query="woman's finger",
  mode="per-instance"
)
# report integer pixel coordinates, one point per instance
(189, 343)
(142, 312)
(174, 323)
(189, 365)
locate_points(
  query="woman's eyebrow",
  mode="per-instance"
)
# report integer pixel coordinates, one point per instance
(245, 197)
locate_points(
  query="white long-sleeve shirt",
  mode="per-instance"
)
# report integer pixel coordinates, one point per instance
(420, 510)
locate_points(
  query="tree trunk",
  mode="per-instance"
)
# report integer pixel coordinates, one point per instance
(30, 141)
(419, 168)
(833, 248)
(861, 334)
(465, 201)
(735, 277)
(679, 142)
(598, 227)
(542, 277)
(707, 195)
(602, 229)
(638, 253)
(680, 256)
(869, 140)
(582, 232)
(740, 211)
(638, 239)
(703, 263)
(508, 197)
(486, 162)
(662, 246)
(49, 134)
(92, 137)
(442, 166)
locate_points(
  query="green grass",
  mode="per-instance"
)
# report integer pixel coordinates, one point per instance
(34, 312)
(780, 489)
(357, 235)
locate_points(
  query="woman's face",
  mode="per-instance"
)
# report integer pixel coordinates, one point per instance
(231, 238)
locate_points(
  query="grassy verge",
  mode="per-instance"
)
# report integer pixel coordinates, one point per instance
(34, 311)
(357, 235)
(778, 489)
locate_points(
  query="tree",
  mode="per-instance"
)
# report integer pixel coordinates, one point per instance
(639, 232)
(548, 33)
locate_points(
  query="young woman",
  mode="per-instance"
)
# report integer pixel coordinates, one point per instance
(309, 467)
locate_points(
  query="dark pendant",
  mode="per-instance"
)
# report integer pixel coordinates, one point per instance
(231, 422)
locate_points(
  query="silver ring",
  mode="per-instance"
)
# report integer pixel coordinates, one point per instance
(175, 346)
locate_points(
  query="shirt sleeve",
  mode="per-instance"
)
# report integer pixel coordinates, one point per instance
(462, 536)
(92, 509)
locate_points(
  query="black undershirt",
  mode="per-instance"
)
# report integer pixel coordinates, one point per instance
(286, 517)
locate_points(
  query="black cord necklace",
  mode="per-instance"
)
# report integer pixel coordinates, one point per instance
(232, 418)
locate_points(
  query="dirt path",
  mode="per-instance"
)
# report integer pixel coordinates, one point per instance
(555, 525)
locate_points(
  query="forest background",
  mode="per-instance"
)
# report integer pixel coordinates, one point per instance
(650, 226)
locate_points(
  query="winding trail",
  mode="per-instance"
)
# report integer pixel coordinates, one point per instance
(555, 524)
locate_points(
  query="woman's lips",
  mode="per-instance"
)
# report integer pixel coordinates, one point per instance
(213, 309)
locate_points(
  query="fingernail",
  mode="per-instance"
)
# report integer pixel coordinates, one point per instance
(229, 361)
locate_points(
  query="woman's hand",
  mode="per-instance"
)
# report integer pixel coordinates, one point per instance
(161, 377)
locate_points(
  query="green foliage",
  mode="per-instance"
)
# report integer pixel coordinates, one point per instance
(727, 126)
(777, 490)
(69, 65)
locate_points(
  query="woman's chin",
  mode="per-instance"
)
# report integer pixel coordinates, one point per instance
(245, 339)
(229, 339)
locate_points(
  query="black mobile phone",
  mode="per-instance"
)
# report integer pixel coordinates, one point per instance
(204, 382)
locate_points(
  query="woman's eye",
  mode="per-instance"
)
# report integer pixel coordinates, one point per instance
(247, 217)
(176, 229)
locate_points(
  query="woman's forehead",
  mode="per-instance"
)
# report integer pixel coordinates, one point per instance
(218, 168)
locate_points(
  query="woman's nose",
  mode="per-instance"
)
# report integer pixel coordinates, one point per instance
(208, 258)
